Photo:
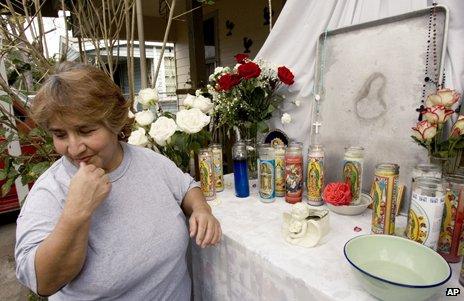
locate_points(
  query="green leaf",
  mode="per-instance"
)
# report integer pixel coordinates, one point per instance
(262, 127)
(6, 187)
(421, 143)
(3, 174)
(6, 98)
(38, 169)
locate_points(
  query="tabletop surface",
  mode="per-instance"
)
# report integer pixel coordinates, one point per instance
(257, 226)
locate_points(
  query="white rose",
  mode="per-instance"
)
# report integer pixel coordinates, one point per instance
(147, 96)
(218, 70)
(188, 101)
(203, 103)
(162, 129)
(145, 117)
(286, 118)
(192, 121)
(138, 137)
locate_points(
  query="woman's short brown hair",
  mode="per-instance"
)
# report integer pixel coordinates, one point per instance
(82, 91)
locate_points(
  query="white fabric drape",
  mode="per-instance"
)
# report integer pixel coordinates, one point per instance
(292, 42)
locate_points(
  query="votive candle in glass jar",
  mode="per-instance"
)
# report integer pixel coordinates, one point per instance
(315, 175)
(294, 173)
(217, 166)
(384, 193)
(452, 228)
(207, 181)
(426, 211)
(239, 156)
(266, 173)
(353, 171)
(279, 151)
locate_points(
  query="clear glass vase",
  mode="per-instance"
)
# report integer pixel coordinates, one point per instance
(448, 166)
(252, 159)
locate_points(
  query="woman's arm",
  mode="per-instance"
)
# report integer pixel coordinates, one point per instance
(60, 257)
(202, 222)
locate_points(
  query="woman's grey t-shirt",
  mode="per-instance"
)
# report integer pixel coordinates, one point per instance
(138, 236)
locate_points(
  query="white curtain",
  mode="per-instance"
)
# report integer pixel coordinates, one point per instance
(292, 42)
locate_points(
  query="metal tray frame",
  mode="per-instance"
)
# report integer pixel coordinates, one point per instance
(335, 149)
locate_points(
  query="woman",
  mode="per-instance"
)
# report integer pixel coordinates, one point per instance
(106, 221)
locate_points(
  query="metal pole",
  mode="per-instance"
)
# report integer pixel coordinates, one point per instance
(141, 38)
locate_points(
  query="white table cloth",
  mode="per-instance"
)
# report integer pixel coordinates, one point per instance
(253, 262)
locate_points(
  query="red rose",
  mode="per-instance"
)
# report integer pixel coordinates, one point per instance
(337, 194)
(249, 70)
(285, 75)
(241, 58)
(228, 81)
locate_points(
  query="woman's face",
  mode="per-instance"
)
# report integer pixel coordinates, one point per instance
(83, 142)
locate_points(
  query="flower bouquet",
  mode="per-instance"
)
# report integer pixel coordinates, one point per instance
(245, 96)
(174, 135)
(431, 132)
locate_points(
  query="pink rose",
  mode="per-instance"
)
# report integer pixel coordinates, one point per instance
(458, 127)
(445, 97)
(424, 130)
(437, 114)
(337, 194)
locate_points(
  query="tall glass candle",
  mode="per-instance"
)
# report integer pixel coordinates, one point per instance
(266, 173)
(217, 166)
(452, 227)
(353, 171)
(294, 173)
(239, 156)
(279, 151)
(426, 211)
(207, 182)
(315, 175)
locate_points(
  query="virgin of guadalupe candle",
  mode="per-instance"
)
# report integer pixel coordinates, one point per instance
(207, 182)
(294, 173)
(266, 173)
(217, 166)
(426, 211)
(353, 171)
(384, 192)
(315, 175)
(279, 151)
(452, 228)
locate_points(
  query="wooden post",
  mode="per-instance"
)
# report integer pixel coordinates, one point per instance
(141, 38)
(196, 45)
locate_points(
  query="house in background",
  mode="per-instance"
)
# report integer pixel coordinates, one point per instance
(200, 40)
(166, 84)
(226, 28)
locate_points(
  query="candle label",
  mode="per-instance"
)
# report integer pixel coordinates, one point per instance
(279, 174)
(384, 192)
(424, 221)
(266, 179)
(352, 173)
(217, 169)
(293, 178)
(315, 178)
(452, 223)
(206, 175)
